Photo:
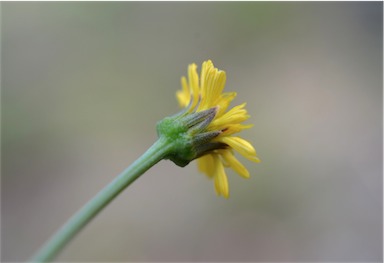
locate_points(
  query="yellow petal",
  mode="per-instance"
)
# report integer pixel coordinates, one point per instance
(219, 81)
(193, 83)
(242, 146)
(236, 115)
(234, 163)
(212, 84)
(206, 165)
(220, 179)
(183, 95)
(204, 71)
(224, 101)
(234, 128)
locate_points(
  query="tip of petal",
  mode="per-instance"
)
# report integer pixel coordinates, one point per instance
(255, 159)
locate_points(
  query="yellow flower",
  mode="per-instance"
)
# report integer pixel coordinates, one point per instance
(204, 93)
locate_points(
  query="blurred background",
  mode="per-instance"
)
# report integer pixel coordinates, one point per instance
(83, 85)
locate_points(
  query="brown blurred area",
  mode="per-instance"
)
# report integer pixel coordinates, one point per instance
(84, 83)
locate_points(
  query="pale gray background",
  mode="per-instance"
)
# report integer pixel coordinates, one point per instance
(83, 85)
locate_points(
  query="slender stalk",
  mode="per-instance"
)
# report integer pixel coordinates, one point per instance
(57, 242)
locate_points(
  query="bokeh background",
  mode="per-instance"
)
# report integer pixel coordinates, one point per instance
(83, 85)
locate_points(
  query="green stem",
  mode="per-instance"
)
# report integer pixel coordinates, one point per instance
(153, 155)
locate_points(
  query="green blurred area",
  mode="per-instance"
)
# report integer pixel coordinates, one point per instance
(84, 83)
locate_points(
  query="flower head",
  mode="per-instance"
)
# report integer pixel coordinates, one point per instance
(204, 94)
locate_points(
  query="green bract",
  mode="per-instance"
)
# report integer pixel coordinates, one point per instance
(188, 134)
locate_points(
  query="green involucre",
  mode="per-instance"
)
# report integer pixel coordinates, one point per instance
(174, 130)
(188, 134)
